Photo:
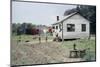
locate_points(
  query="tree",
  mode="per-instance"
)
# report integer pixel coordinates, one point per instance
(14, 27)
(88, 12)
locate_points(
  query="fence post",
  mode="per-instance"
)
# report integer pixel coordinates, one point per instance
(46, 38)
(39, 39)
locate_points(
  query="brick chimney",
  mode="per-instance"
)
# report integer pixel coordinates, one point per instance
(57, 18)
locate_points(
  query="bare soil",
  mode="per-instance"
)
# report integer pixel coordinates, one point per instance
(39, 53)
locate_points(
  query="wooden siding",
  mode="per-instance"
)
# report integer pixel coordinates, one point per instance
(78, 20)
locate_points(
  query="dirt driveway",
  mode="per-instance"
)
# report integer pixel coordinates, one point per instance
(35, 53)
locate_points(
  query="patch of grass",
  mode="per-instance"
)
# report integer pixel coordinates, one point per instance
(80, 44)
(83, 44)
(33, 38)
(90, 56)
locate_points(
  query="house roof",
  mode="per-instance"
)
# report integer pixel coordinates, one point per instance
(66, 17)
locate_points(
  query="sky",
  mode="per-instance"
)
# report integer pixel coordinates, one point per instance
(38, 13)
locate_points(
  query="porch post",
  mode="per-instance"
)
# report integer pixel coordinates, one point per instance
(62, 32)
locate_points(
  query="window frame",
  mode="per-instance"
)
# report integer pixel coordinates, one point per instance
(56, 27)
(72, 29)
(83, 27)
(53, 27)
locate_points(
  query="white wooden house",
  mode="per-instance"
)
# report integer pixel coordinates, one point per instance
(71, 26)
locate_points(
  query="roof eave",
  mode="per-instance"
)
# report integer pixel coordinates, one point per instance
(65, 18)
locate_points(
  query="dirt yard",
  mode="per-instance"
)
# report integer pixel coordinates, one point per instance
(33, 52)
